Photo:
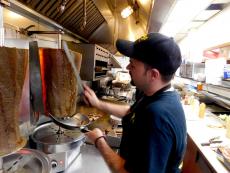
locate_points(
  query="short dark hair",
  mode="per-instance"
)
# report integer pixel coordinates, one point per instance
(165, 78)
(157, 50)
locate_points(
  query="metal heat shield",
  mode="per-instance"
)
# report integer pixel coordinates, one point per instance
(35, 82)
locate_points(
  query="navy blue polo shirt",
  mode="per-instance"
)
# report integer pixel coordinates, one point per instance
(154, 135)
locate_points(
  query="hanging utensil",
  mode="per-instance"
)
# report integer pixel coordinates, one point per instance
(84, 17)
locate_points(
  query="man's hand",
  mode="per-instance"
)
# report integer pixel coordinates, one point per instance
(94, 134)
(90, 97)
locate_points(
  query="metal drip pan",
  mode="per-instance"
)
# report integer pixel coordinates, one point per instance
(26, 161)
(50, 138)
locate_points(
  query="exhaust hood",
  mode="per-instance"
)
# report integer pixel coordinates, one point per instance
(102, 19)
(71, 16)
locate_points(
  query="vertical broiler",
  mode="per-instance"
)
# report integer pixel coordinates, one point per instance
(15, 115)
(13, 65)
(54, 91)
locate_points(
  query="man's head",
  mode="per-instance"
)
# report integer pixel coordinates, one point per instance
(156, 51)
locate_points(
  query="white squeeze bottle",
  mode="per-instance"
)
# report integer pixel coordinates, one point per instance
(202, 109)
(228, 127)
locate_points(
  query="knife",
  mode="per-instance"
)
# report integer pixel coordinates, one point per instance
(71, 60)
(209, 143)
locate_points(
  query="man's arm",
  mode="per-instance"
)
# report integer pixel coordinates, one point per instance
(90, 98)
(113, 160)
(114, 109)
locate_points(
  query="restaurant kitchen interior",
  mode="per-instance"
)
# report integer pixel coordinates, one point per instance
(89, 28)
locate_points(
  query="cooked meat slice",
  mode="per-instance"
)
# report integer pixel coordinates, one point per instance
(13, 64)
(60, 83)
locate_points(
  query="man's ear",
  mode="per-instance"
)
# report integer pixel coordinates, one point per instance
(154, 73)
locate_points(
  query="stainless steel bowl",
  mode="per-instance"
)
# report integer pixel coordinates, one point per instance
(27, 161)
(50, 138)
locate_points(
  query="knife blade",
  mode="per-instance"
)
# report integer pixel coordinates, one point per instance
(71, 60)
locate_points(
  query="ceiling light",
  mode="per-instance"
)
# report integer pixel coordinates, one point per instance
(14, 15)
(126, 12)
(205, 15)
(143, 2)
(182, 13)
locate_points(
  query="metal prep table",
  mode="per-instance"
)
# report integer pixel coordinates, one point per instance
(89, 161)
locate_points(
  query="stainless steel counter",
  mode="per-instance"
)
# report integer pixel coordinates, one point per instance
(89, 161)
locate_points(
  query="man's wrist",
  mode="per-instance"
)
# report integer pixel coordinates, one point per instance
(99, 105)
(98, 139)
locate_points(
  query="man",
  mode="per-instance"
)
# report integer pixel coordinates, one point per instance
(154, 128)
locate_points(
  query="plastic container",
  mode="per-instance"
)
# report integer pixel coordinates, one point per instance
(199, 86)
(202, 109)
(227, 71)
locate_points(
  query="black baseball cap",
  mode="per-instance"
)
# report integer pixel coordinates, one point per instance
(155, 49)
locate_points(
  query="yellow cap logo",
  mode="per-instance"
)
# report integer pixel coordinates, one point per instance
(133, 118)
(145, 37)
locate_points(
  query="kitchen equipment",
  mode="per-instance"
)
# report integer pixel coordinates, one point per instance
(96, 58)
(26, 31)
(26, 161)
(77, 121)
(192, 70)
(35, 80)
(61, 145)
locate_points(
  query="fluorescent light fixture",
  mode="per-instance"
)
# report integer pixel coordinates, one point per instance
(144, 2)
(182, 13)
(14, 15)
(126, 12)
(205, 15)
